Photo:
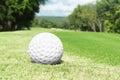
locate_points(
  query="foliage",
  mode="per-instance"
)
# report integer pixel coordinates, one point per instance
(84, 18)
(65, 24)
(55, 19)
(53, 22)
(47, 24)
(16, 14)
(109, 13)
(75, 18)
(102, 16)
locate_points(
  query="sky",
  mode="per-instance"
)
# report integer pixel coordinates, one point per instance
(61, 7)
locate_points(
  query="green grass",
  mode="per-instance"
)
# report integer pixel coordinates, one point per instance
(87, 56)
(101, 47)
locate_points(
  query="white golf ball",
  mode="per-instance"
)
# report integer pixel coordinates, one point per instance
(46, 48)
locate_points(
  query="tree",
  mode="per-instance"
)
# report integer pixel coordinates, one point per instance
(89, 17)
(108, 11)
(16, 14)
(65, 25)
(102, 16)
(84, 18)
(75, 18)
(47, 24)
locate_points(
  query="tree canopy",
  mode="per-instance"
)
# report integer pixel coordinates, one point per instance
(102, 16)
(84, 17)
(109, 13)
(16, 14)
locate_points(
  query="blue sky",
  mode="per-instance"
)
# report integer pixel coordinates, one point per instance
(61, 7)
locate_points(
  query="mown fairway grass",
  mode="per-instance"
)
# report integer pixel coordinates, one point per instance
(87, 56)
(101, 47)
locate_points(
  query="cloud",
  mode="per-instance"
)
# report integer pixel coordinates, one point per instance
(61, 7)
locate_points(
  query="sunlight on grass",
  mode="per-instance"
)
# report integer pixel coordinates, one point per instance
(101, 47)
(72, 68)
(81, 59)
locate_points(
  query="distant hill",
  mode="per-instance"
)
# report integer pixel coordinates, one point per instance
(56, 19)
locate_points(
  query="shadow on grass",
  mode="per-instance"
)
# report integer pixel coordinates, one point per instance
(56, 63)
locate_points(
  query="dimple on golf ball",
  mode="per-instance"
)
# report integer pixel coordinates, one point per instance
(46, 48)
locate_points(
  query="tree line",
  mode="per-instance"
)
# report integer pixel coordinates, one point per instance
(100, 17)
(17, 14)
(60, 22)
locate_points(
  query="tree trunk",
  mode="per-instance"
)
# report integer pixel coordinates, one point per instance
(13, 26)
(1, 27)
(9, 25)
(94, 27)
(100, 25)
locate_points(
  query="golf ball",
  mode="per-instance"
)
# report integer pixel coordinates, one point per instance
(46, 48)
